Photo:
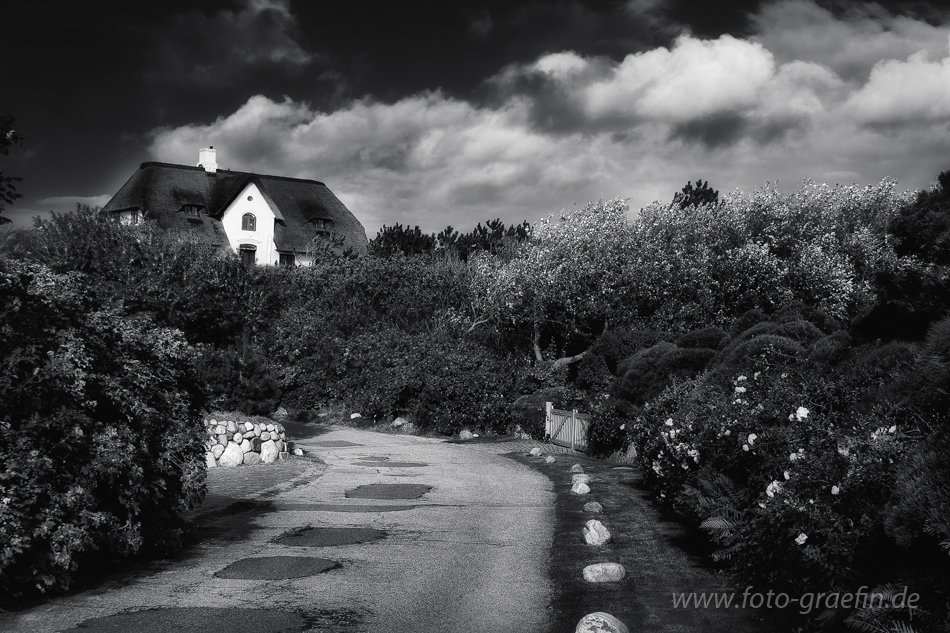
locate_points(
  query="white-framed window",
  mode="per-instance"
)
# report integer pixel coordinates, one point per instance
(248, 222)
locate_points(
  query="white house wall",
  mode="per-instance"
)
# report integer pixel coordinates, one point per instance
(250, 200)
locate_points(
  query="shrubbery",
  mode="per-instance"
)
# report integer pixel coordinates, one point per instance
(102, 433)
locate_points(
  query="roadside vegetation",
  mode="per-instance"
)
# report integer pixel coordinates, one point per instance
(779, 363)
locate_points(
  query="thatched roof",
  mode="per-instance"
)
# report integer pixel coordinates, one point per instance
(160, 190)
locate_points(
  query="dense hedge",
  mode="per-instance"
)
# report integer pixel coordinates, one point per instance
(102, 445)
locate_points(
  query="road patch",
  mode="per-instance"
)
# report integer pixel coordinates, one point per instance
(276, 568)
(329, 536)
(388, 491)
(338, 507)
(204, 619)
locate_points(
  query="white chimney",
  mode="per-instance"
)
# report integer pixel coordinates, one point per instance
(206, 159)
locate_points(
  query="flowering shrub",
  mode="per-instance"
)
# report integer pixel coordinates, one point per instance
(786, 460)
(103, 438)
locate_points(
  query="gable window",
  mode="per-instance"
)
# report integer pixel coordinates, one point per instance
(286, 259)
(248, 254)
(248, 222)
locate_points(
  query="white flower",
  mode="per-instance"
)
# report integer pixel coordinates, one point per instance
(893, 429)
(773, 488)
(623, 426)
(728, 432)
(801, 538)
(741, 378)
(752, 438)
(669, 422)
(745, 447)
(756, 375)
(835, 490)
(740, 389)
(784, 375)
(792, 457)
(801, 413)
(787, 476)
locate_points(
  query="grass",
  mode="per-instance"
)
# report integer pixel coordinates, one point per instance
(653, 548)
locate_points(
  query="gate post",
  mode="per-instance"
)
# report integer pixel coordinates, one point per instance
(547, 418)
(573, 427)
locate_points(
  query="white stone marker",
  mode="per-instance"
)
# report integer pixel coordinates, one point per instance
(595, 533)
(600, 622)
(604, 572)
(580, 489)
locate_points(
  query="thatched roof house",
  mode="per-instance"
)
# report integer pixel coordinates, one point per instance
(267, 219)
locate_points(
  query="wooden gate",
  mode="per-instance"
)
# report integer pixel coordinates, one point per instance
(566, 428)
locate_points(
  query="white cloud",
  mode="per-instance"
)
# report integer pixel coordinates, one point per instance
(693, 79)
(898, 92)
(850, 45)
(567, 128)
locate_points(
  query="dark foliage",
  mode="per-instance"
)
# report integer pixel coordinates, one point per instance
(401, 239)
(653, 370)
(237, 378)
(915, 292)
(104, 446)
(923, 228)
(8, 139)
(711, 337)
(701, 194)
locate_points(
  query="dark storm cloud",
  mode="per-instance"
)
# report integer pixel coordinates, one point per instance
(196, 49)
(714, 131)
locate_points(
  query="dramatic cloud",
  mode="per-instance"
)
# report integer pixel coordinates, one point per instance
(567, 128)
(850, 45)
(213, 49)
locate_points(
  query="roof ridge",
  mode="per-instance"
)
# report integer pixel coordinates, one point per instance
(236, 173)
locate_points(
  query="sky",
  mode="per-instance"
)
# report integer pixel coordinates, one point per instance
(455, 113)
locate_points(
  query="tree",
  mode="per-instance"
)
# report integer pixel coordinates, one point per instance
(401, 239)
(701, 194)
(565, 281)
(8, 138)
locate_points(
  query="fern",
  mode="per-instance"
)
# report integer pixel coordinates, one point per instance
(719, 527)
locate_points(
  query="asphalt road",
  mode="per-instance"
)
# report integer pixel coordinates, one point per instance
(468, 555)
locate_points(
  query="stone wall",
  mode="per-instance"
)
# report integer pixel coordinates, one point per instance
(233, 443)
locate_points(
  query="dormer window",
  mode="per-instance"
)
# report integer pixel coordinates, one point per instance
(192, 212)
(248, 222)
(321, 224)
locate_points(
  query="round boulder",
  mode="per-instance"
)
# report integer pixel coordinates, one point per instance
(593, 507)
(577, 468)
(600, 622)
(595, 533)
(604, 572)
(232, 455)
(580, 488)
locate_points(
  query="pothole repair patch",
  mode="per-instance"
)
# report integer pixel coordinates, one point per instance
(204, 619)
(390, 464)
(388, 491)
(328, 537)
(276, 568)
(339, 507)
